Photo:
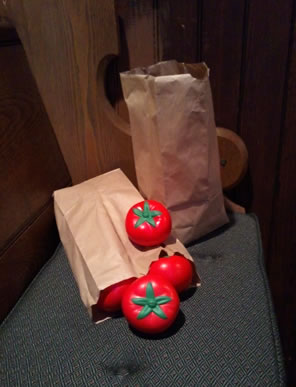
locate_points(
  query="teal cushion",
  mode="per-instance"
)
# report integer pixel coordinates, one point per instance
(225, 334)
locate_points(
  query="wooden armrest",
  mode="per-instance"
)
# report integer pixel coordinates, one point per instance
(233, 158)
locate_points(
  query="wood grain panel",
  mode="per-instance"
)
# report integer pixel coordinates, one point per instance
(282, 264)
(32, 166)
(267, 43)
(179, 30)
(137, 28)
(67, 43)
(222, 49)
(20, 263)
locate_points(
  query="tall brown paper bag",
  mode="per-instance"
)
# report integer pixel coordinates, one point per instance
(91, 222)
(175, 144)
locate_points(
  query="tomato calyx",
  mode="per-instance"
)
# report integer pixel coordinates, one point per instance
(146, 215)
(151, 303)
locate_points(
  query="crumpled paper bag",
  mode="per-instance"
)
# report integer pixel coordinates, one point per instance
(175, 144)
(91, 221)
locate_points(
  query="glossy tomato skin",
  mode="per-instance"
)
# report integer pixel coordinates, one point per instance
(150, 232)
(176, 269)
(111, 297)
(152, 323)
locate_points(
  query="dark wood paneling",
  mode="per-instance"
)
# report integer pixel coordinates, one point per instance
(32, 167)
(31, 163)
(20, 263)
(179, 30)
(137, 27)
(264, 70)
(282, 263)
(222, 49)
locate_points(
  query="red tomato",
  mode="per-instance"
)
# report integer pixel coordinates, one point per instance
(150, 304)
(176, 269)
(110, 298)
(148, 223)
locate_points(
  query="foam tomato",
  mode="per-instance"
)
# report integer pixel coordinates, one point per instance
(148, 223)
(150, 304)
(110, 298)
(176, 269)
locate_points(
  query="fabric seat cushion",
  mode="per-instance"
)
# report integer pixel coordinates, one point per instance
(225, 334)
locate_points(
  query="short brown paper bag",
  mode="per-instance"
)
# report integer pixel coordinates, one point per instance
(91, 222)
(175, 144)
